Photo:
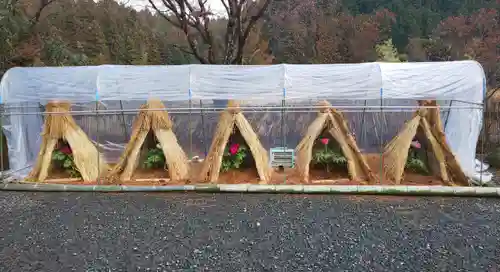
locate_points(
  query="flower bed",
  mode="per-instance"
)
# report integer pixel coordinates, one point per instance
(155, 158)
(417, 159)
(237, 164)
(233, 157)
(327, 162)
(63, 164)
(152, 164)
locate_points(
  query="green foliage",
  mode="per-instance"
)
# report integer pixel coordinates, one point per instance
(154, 158)
(14, 27)
(233, 160)
(415, 163)
(57, 53)
(66, 163)
(415, 18)
(329, 155)
(387, 52)
(99, 32)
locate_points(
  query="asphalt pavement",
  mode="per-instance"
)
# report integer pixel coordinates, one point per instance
(244, 232)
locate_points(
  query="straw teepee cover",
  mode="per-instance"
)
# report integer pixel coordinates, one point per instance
(426, 126)
(153, 118)
(338, 128)
(230, 120)
(60, 125)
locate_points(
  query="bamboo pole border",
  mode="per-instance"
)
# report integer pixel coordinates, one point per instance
(256, 188)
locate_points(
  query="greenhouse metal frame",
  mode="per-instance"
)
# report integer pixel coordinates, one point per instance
(274, 91)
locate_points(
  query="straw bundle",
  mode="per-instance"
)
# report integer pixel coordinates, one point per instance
(233, 121)
(427, 128)
(60, 125)
(158, 123)
(335, 123)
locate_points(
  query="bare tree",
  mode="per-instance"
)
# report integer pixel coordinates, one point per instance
(194, 18)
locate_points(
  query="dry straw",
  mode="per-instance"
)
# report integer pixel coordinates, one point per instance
(60, 125)
(426, 127)
(158, 123)
(334, 122)
(233, 121)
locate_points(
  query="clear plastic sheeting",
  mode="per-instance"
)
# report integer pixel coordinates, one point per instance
(376, 98)
(132, 83)
(40, 84)
(459, 80)
(336, 81)
(433, 80)
(264, 83)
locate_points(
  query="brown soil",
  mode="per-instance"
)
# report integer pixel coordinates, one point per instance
(58, 174)
(316, 176)
(409, 178)
(239, 176)
(141, 177)
(245, 176)
(157, 173)
(283, 176)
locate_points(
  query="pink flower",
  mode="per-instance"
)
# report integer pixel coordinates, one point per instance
(66, 150)
(416, 144)
(324, 141)
(234, 148)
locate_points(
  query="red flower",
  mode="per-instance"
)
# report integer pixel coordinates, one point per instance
(324, 141)
(66, 150)
(234, 148)
(416, 144)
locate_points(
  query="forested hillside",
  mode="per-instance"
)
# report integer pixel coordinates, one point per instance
(84, 32)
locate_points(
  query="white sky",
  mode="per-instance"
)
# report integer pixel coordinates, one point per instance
(215, 5)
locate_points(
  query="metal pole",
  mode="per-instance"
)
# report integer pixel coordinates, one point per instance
(1, 139)
(203, 129)
(484, 131)
(252, 109)
(447, 116)
(190, 129)
(363, 131)
(381, 138)
(283, 136)
(283, 133)
(97, 140)
(123, 122)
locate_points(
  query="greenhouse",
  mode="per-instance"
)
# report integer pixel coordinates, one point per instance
(369, 123)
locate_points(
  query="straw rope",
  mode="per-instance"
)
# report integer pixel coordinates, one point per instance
(233, 121)
(442, 162)
(60, 125)
(336, 124)
(158, 123)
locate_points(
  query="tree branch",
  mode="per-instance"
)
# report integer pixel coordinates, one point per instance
(193, 18)
(34, 21)
(228, 41)
(206, 21)
(225, 5)
(165, 16)
(246, 33)
(178, 9)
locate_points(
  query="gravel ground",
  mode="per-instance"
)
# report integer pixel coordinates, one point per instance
(234, 232)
